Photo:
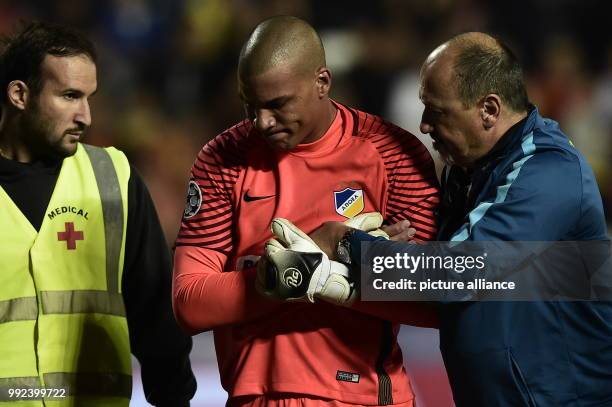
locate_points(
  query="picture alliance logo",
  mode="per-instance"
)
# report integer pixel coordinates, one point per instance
(292, 277)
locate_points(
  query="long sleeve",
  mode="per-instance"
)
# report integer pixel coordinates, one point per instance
(542, 190)
(156, 340)
(413, 313)
(206, 293)
(413, 187)
(205, 297)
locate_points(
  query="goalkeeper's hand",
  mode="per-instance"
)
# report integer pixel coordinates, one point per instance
(370, 222)
(295, 269)
(329, 234)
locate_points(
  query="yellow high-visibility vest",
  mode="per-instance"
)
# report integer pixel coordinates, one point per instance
(63, 330)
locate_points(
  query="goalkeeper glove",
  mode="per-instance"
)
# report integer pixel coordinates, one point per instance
(295, 269)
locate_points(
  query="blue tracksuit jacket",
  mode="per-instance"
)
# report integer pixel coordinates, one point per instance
(533, 186)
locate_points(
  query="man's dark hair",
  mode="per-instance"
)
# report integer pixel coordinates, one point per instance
(23, 53)
(481, 69)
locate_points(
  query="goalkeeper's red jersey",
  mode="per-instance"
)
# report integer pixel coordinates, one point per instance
(238, 185)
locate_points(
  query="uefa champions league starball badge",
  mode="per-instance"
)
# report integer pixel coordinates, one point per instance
(194, 200)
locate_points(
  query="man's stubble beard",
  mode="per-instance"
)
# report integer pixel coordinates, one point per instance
(38, 131)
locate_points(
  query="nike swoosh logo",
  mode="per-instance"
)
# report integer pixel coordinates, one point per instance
(249, 198)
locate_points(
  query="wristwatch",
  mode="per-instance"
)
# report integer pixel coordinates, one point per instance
(343, 249)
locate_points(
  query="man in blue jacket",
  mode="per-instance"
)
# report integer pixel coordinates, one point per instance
(512, 176)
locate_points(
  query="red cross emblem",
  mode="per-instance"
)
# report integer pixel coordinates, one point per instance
(70, 236)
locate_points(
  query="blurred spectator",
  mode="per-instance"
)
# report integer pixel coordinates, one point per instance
(168, 68)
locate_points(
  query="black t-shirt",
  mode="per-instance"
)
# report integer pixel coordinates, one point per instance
(156, 340)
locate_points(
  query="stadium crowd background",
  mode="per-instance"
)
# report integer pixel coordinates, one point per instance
(167, 84)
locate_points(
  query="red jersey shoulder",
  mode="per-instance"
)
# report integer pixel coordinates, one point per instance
(413, 187)
(230, 146)
(208, 216)
(375, 129)
(391, 141)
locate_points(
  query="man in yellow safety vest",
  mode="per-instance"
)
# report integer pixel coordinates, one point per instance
(84, 267)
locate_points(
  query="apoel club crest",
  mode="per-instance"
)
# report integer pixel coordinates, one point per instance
(349, 202)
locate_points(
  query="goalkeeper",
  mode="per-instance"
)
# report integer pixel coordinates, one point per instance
(302, 156)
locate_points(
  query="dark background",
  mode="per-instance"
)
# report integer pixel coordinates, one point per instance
(167, 84)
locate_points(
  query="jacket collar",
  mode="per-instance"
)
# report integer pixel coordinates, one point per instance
(513, 136)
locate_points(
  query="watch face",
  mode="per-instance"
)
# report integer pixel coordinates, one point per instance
(343, 253)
